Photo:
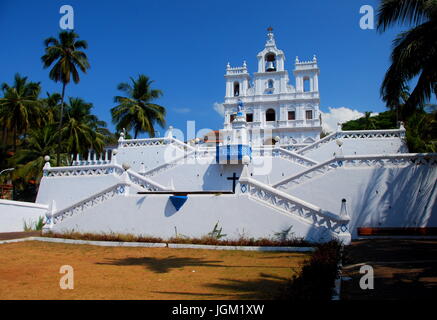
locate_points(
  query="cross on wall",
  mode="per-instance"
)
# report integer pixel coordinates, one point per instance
(234, 179)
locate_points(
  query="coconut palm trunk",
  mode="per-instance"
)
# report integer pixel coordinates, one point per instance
(58, 151)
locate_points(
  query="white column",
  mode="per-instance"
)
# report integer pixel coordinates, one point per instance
(316, 82)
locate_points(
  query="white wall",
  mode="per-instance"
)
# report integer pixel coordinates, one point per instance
(151, 156)
(13, 214)
(376, 197)
(155, 215)
(69, 190)
(199, 175)
(357, 147)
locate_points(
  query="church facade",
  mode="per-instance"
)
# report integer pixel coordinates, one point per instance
(276, 110)
(320, 189)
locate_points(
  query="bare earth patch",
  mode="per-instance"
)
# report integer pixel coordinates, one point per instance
(30, 270)
(403, 269)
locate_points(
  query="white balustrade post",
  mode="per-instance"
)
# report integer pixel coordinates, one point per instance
(49, 217)
(343, 211)
(114, 156)
(242, 187)
(125, 178)
(47, 164)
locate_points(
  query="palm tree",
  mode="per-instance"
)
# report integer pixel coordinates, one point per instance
(369, 122)
(136, 111)
(414, 52)
(81, 128)
(66, 56)
(19, 107)
(29, 159)
(50, 107)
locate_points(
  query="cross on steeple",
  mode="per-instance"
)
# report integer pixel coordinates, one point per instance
(270, 29)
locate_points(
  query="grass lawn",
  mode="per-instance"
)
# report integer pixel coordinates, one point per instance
(30, 270)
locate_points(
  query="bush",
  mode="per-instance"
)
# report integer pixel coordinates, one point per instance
(316, 280)
(207, 240)
(33, 226)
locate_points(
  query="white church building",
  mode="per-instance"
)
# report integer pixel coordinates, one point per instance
(275, 109)
(270, 171)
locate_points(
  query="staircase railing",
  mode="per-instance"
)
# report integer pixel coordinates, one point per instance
(365, 161)
(129, 143)
(356, 134)
(296, 207)
(106, 169)
(86, 203)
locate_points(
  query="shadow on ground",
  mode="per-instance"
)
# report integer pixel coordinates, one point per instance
(163, 265)
(264, 288)
(403, 269)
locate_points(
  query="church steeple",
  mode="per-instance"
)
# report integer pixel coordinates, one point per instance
(271, 59)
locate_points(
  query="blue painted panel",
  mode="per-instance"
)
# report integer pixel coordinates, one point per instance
(178, 201)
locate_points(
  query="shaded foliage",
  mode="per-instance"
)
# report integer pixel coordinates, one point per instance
(384, 120)
(414, 53)
(316, 280)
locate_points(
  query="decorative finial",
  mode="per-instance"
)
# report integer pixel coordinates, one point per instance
(297, 59)
(271, 38)
(314, 58)
(244, 64)
(228, 66)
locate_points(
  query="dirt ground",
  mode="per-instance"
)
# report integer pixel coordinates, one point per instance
(403, 269)
(17, 235)
(31, 270)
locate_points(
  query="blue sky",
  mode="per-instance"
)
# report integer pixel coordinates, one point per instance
(184, 47)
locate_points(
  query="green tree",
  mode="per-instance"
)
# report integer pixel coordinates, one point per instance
(136, 111)
(421, 133)
(414, 52)
(29, 158)
(383, 120)
(19, 108)
(50, 108)
(80, 131)
(67, 58)
(369, 121)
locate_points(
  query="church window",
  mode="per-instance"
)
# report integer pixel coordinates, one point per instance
(309, 114)
(249, 117)
(270, 84)
(236, 89)
(270, 115)
(291, 115)
(232, 117)
(306, 84)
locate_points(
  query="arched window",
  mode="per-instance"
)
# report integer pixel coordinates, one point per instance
(270, 115)
(236, 89)
(270, 84)
(270, 61)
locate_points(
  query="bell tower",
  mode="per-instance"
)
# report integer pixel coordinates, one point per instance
(237, 80)
(271, 59)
